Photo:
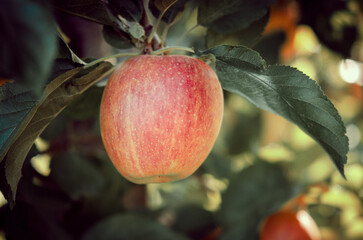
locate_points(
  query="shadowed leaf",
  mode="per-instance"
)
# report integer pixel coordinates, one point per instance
(130, 227)
(27, 43)
(76, 175)
(158, 6)
(113, 38)
(130, 9)
(57, 95)
(93, 10)
(247, 36)
(228, 16)
(253, 193)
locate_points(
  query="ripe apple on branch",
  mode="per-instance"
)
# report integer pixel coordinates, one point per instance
(183, 64)
(160, 116)
(161, 113)
(149, 124)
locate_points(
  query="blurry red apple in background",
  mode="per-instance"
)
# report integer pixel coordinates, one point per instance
(160, 117)
(289, 225)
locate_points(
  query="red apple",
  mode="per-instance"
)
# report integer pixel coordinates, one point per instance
(160, 117)
(289, 225)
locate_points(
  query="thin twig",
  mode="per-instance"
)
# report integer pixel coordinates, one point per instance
(172, 48)
(149, 39)
(117, 55)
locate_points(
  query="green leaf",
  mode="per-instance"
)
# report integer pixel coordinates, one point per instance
(228, 16)
(136, 30)
(27, 43)
(93, 10)
(130, 227)
(132, 10)
(16, 104)
(76, 175)
(116, 38)
(36, 115)
(107, 13)
(284, 91)
(247, 36)
(158, 6)
(252, 194)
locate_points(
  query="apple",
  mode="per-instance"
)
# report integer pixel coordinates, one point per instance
(290, 225)
(160, 117)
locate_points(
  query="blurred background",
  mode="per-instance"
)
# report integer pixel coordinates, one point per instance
(260, 162)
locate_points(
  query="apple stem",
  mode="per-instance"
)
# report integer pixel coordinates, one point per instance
(187, 32)
(172, 48)
(117, 55)
(151, 36)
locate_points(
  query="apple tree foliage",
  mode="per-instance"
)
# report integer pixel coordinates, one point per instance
(41, 75)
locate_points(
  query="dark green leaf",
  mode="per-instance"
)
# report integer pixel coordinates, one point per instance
(130, 227)
(76, 176)
(16, 110)
(158, 6)
(285, 91)
(130, 9)
(93, 10)
(228, 16)
(27, 43)
(62, 65)
(247, 36)
(105, 13)
(115, 39)
(36, 115)
(253, 193)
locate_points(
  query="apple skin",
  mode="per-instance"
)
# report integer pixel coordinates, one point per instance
(160, 117)
(290, 225)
